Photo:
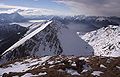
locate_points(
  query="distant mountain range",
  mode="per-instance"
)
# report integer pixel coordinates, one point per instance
(13, 17)
(92, 21)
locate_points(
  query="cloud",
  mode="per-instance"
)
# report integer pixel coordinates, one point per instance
(28, 10)
(93, 7)
(6, 6)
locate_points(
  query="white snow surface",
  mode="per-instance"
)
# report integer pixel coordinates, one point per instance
(24, 24)
(118, 67)
(96, 73)
(103, 66)
(33, 27)
(105, 41)
(31, 75)
(43, 73)
(22, 67)
(100, 19)
(28, 75)
(72, 72)
(21, 41)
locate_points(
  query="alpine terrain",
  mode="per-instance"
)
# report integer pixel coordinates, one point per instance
(70, 46)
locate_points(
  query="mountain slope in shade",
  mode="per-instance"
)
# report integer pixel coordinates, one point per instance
(9, 34)
(105, 41)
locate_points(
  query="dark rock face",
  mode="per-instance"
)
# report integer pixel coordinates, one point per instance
(9, 34)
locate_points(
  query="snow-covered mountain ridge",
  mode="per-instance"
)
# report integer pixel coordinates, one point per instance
(105, 41)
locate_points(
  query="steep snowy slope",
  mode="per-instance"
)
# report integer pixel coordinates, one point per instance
(105, 41)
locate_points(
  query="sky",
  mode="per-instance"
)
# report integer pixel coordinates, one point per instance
(62, 7)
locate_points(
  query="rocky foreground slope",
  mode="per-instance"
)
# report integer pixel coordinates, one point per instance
(62, 66)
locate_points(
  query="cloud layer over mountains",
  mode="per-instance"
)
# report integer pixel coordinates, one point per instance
(93, 7)
(76, 7)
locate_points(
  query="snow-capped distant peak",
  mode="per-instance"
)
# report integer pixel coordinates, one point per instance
(100, 19)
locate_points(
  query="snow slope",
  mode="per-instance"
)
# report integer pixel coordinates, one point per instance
(17, 44)
(105, 41)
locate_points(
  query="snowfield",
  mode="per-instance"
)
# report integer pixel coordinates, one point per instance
(97, 73)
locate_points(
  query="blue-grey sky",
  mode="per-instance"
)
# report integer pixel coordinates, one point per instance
(48, 4)
(41, 6)
(62, 7)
